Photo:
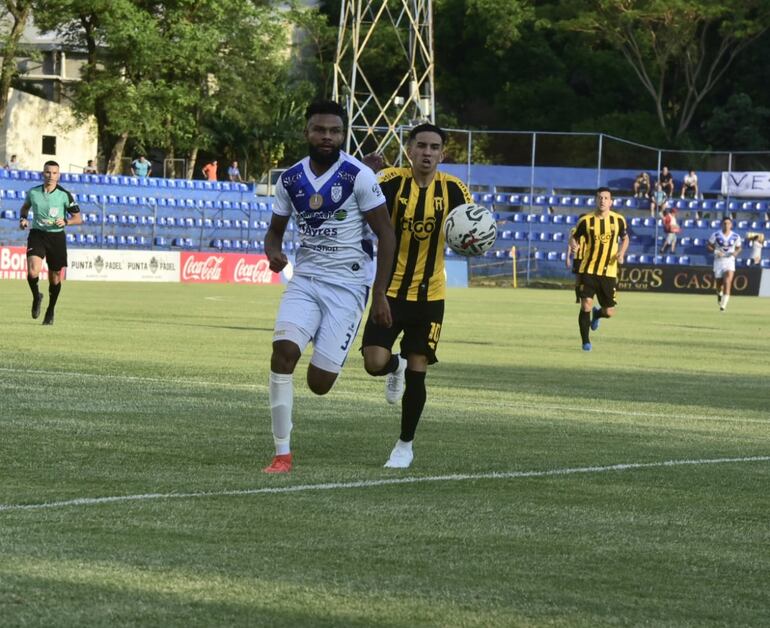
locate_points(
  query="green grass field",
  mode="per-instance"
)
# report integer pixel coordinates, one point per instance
(519, 513)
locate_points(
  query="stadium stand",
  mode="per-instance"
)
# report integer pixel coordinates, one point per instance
(143, 213)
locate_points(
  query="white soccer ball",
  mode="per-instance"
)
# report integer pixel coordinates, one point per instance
(470, 230)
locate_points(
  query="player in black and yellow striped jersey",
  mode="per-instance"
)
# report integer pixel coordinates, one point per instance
(419, 198)
(606, 241)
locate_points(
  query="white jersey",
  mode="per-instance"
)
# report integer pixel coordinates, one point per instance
(335, 240)
(727, 243)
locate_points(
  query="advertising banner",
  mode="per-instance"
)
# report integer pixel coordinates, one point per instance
(226, 268)
(685, 279)
(746, 184)
(121, 265)
(13, 263)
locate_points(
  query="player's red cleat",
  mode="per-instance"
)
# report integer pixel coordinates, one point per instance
(280, 464)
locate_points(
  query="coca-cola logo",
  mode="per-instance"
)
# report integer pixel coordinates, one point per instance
(258, 272)
(209, 269)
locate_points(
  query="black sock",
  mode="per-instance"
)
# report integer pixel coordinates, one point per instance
(584, 322)
(389, 368)
(33, 286)
(577, 294)
(53, 295)
(412, 403)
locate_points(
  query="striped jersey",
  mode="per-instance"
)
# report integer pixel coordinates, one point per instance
(335, 240)
(601, 235)
(418, 216)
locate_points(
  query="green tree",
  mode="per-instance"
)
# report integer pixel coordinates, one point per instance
(19, 12)
(679, 50)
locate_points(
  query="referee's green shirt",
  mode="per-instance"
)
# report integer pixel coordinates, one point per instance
(47, 207)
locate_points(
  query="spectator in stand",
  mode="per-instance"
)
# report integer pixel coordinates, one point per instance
(233, 173)
(141, 167)
(659, 200)
(642, 185)
(671, 228)
(690, 185)
(90, 168)
(210, 170)
(666, 180)
(13, 164)
(757, 241)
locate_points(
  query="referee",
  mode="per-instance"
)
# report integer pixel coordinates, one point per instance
(598, 271)
(53, 208)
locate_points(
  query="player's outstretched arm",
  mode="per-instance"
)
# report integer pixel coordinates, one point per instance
(379, 221)
(274, 242)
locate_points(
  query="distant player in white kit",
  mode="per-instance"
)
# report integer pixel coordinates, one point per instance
(725, 244)
(335, 200)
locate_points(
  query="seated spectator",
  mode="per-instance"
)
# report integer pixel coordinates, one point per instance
(234, 173)
(666, 180)
(13, 164)
(671, 228)
(659, 200)
(642, 185)
(690, 185)
(757, 240)
(90, 168)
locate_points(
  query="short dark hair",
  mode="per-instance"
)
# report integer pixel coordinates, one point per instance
(726, 218)
(50, 162)
(603, 189)
(427, 127)
(326, 107)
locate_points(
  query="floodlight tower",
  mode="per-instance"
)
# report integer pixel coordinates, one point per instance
(376, 112)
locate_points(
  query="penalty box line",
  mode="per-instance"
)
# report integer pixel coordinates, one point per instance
(460, 477)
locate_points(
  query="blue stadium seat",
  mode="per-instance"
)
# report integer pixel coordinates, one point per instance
(720, 206)
(630, 203)
(505, 235)
(540, 256)
(689, 223)
(631, 258)
(733, 206)
(520, 236)
(110, 240)
(558, 219)
(715, 224)
(553, 256)
(570, 219)
(9, 214)
(558, 236)
(70, 237)
(645, 259)
(649, 222)
(684, 260)
(742, 224)
(579, 201)
(707, 204)
(636, 222)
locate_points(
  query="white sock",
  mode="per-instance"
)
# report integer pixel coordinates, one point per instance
(281, 402)
(725, 299)
(403, 445)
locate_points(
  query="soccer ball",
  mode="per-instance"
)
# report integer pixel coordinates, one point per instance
(470, 229)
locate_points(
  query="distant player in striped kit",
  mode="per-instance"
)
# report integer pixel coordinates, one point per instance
(337, 203)
(757, 240)
(606, 241)
(725, 245)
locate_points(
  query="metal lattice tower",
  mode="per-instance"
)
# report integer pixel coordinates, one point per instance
(375, 118)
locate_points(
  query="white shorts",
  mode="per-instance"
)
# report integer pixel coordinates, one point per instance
(326, 314)
(723, 265)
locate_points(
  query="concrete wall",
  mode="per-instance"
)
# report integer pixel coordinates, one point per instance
(29, 118)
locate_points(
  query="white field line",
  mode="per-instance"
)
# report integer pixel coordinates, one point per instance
(480, 403)
(302, 488)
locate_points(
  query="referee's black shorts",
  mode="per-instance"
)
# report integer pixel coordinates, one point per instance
(49, 245)
(598, 285)
(419, 320)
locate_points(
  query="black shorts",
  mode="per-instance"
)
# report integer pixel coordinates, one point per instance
(597, 285)
(419, 320)
(50, 245)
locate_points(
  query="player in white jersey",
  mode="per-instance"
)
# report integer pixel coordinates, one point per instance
(335, 200)
(725, 244)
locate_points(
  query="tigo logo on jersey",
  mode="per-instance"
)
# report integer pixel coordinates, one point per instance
(421, 229)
